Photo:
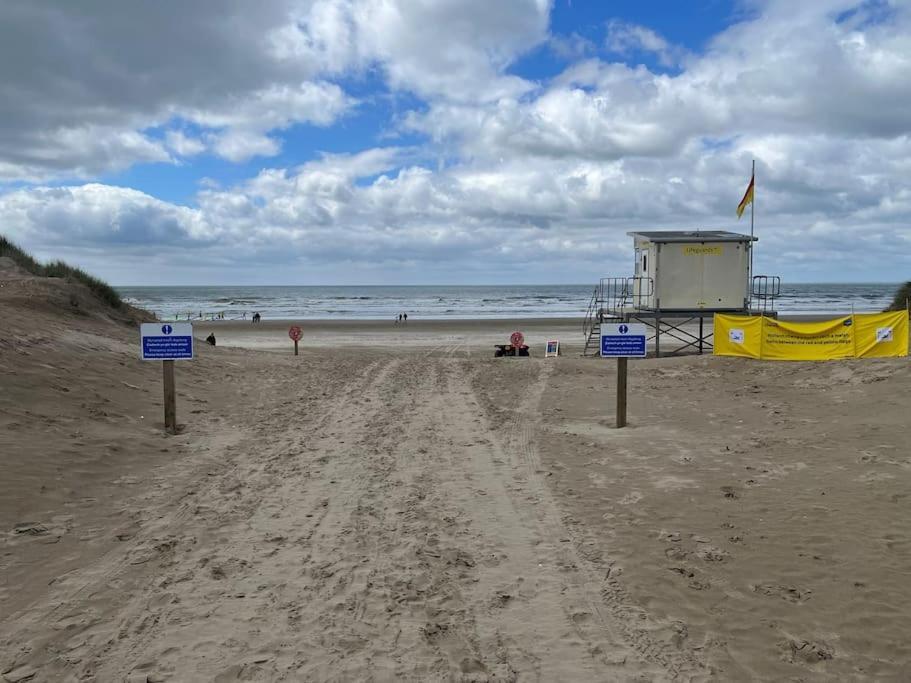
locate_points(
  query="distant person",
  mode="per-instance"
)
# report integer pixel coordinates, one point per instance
(245, 315)
(405, 316)
(400, 317)
(211, 338)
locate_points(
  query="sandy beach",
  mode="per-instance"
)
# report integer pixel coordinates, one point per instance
(453, 336)
(393, 475)
(449, 336)
(371, 511)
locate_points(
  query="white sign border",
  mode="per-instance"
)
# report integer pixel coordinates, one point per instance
(635, 330)
(179, 330)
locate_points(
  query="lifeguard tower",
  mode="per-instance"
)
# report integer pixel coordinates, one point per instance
(681, 278)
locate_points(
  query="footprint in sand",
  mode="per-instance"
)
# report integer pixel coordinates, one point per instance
(711, 554)
(796, 651)
(788, 593)
(730, 492)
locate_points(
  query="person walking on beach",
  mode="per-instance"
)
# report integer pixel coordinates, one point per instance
(405, 317)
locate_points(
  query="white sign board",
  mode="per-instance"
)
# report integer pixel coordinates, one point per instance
(883, 334)
(166, 341)
(623, 340)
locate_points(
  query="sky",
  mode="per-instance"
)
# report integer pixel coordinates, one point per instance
(452, 141)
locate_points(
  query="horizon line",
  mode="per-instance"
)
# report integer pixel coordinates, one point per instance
(494, 284)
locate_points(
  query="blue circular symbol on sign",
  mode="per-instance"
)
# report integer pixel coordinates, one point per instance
(167, 329)
(623, 329)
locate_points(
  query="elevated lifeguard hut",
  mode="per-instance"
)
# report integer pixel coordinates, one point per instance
(680, 279)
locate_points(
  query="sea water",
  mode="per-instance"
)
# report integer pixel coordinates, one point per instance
(454, 302)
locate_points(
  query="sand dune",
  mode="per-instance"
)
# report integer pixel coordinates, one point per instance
(377, 514)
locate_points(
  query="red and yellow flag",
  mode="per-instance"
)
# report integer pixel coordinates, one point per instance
(747, 198)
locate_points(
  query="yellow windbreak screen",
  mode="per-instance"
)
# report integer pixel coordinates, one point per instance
(864, 335)
(824, 340)
(881, 335)
(737, 335)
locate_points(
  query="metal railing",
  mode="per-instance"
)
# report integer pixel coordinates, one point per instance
(611, 296)
(764, 289)
(618, 293)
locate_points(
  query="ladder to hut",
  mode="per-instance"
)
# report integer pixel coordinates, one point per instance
(607, 302)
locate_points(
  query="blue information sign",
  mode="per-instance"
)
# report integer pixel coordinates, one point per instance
(623, 340)
(167, 341)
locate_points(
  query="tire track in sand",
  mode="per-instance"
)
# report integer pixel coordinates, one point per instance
(384, 530)
(601, 595)
(158, 574)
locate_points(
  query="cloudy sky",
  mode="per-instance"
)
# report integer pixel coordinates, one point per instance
(451, 141)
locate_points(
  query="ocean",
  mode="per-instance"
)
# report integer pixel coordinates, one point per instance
(456, 301)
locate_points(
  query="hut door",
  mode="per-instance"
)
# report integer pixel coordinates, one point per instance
(723, 282)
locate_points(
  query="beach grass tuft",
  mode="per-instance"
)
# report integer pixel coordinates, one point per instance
(27, 262)
(900, 302)
(22, 258)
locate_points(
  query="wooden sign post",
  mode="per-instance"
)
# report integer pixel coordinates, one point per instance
(167, 342)
(622, 341)
(621, 392)
(170, 397)
(295, 333)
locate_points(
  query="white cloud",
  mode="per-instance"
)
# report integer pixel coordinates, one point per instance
(100, 215)
(79, 88)
(239, 145)
(449, 49)
(563, 219)
(77, 151)
(772, 75)
(538, 180)
(572, 46)
(274, 107)
(454, 49)
(258, 67)
(626, 39)
(183, 145)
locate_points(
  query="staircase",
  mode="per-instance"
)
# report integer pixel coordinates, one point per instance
(591, 327)
(607, 292)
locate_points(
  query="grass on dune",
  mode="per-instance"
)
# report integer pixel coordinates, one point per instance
(101, 289)
(900, 302)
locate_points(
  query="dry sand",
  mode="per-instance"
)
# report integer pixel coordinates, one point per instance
(378, 512)
(461, 337)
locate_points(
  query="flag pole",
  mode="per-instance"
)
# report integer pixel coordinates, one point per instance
(752, 212)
